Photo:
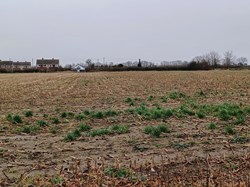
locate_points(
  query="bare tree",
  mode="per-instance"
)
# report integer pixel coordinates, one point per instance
(88, 62)
(242, 61)
(214, 58)
(198, 59)
(229, 58)
(128, 64)
(165, 63)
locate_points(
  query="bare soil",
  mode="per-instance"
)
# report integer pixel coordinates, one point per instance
(55, 93)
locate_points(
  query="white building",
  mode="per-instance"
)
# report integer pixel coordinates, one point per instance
(78, 68)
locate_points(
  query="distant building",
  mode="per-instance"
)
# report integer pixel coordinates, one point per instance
(78, 68)
(22, 65)
(14, 65)
(47, 63)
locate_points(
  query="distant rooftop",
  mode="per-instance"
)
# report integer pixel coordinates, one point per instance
(47, 61)
(9, 63)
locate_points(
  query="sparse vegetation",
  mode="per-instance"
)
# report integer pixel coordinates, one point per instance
(156, 131)
(240, 139)
(229, 130)
(15, 119)
(28, 129)
(130, 101)
(42, 123)
(117, 172)
(177, 95)
(151, 113)
(130, 121)
(55, 120)
(80, 117)
(100, 132)
(63, 115)
(28, 113)
(212, 126)
(120, 129)
(83, 127)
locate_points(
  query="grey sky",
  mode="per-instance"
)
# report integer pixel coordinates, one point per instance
(122, 30)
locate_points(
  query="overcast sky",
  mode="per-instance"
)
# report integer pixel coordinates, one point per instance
(122, 30)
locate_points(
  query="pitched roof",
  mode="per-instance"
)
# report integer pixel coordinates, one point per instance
(47, 62)
(10, 63)
(22, 63)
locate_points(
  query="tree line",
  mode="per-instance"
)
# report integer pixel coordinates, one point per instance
(207, 61)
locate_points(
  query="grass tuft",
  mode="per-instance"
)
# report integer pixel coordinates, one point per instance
(156, 131)
(212, 126)
(42, 123)
(229, 130)
(28, 113)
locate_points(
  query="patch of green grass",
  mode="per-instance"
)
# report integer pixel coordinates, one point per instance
(55, 120)
(45, 115)
(120, 129)
(29, 129)
(129, 101)
(200, 93)
(156, 131)
(240, 139)
(9, 118)
(42, 123)
(86, 112)
(148, 129)
(224, 114)
(229, 130)
(240, 119)
(98, 115)
(201, 114)
(15, 119)
(68, 115)
(80, 117)
(164, 99)
(247, 110)
(177, 95)
(64, 115)
(163, 128)
(77, 132)
(28, 113)
(186, 110)
(84, 128)
(150, 98)
(225, 111)
(151, 113)
(103, 114)
(100, 132)
(110, 113)
(212, 126)
(57, 180)
(117, 172)
(70, 137)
